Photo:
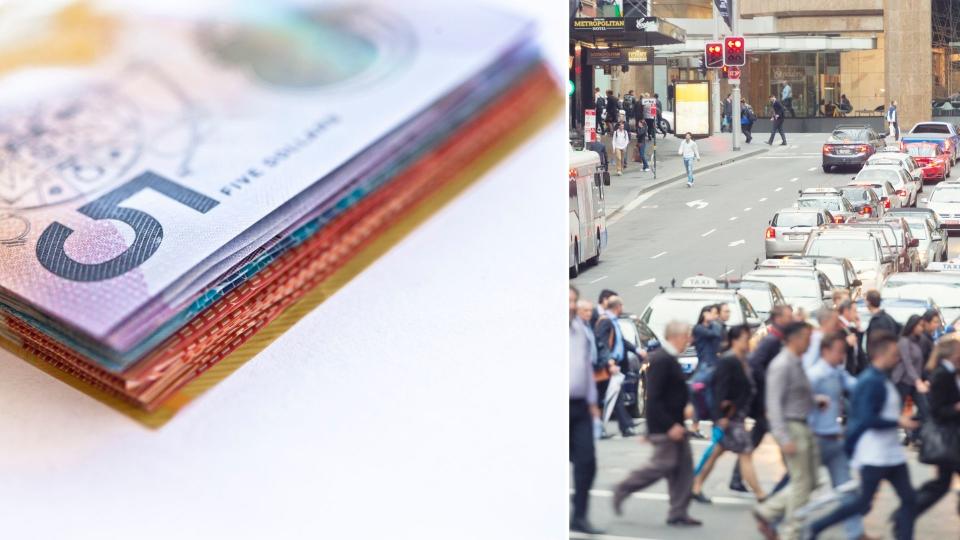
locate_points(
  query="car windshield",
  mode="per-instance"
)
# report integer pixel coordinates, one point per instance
(947, 294)
(759, 298)
(855, 249)
(946, 196)
(834, 272)
(663, 309)
(792, 286)
(848, 135)
(922, 150)
(887, 175)
(820, 202)
(856, 193)
(795, 219)
(919, 230)
(930, 128)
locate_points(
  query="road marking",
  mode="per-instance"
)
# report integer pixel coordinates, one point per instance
(734, 218)
(601, 278)
(585, 536)
(747, 209)
(737, 243)
(762, 199)
(650, 496)
(649, 206)
(708, 233)
(645, 282)
(811, 169)
(794, 179)
(658, 255)
(778, 189)
(727, 273)
(698, 204)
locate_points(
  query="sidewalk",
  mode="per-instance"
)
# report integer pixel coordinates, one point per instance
(714, 152)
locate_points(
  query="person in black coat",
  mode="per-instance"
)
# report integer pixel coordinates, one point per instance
(613, 111)
(850, 321)
(880, 320)
(944, 403)
(777, 120)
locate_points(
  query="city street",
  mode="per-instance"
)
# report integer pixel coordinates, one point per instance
(716, 229)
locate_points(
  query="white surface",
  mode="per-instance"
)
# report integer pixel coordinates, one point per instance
(426, 399)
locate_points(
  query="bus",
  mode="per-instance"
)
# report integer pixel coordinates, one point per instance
(588, 220)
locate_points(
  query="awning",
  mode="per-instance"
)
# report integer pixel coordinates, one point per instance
(626, 31)
(774, 44)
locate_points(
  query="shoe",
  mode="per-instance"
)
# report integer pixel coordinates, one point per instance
(685, 521)
(618, 499)
(738, 486)
(584, 526)
(701, 498)
(645, 169)
(783, 143)
(628, 433)
(689, 184)
(604, 436)
(769, 143)
(764, 527)
(619, 173)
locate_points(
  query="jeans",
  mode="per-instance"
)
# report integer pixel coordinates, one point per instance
(870, 477)
(835, 460)
(688, 163)
(642, 152)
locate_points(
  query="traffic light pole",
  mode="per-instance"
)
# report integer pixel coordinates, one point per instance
(715, 78)
(735, 91)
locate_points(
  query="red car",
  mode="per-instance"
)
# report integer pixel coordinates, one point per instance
(934, 160)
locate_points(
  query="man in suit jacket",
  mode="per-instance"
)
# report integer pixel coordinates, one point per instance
(666, 411)
(850, 323)
(777, 120)
(880, 320)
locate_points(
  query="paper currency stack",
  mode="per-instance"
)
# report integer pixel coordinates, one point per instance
(171, 184)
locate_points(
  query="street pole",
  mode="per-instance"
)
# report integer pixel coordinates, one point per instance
(735, 93)
(714, 75)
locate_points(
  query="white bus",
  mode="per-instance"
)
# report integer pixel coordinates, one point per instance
(588, 220)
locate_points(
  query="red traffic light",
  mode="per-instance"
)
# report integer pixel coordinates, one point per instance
(713, 54)
(734, 53)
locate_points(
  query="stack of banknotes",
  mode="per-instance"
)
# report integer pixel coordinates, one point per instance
(172, 183)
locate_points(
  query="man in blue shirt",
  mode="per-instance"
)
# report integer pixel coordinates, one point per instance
(829, 381)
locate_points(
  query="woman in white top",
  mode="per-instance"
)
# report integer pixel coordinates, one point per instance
(621, 139)
(892, 121)
(689, 151)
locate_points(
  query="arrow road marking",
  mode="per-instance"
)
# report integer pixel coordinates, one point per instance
(650, 206)
(737, 243)
(645, 282)
(698, 204)
(778, 189)
(762, 199)
(734, 218)
(708, 233)
(658, 255)
(747, 209)
(794, 179)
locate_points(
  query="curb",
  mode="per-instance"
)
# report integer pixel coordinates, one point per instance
(683, 175)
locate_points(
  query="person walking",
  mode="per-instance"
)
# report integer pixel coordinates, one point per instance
(707, 337)
(629, 101)
(850, 323)
(880, 320)
(777, 121)
(944, 397)
(690, 152)
(726, 123)
(583, 413)
(642, 150)
(733, 392)
(892, 121)
(600, 105)
(786, 96)
(759, 360)
(829, 379)
(907, 376)
(612, 351)
(621, 140)
(747, 118)
(828, 321)
(872, 441)
(790, 400)
(666, 403)
(650, 115)
(659, 120)
(613, 111)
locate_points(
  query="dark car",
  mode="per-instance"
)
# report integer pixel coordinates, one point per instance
(634, 387)
(851, 146)
(864, 200)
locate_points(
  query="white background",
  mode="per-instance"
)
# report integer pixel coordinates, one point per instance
(427, 399)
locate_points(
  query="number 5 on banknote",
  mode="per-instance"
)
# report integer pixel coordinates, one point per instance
(148, 231)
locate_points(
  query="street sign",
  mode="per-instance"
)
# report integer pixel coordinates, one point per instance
(589, 125)
(733, 72)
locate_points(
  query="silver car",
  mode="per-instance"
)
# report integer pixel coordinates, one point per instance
(789, 228)
(944, 286)
(906, 186)
(806, 288)
(931, 246)
(945, 201)
(862, 246)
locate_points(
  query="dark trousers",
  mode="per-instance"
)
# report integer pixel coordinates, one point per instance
(651, 128)
(788, 107)
(747, 130)
(673, 461)
(920, 400)
(582, 455)
(870, 477)
(896, 131)
(934, 490)
(777, 128)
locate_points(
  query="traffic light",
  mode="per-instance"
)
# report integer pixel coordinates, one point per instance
(714, 54)
(701, 67)
(724, 72)
(571, 87)
(734, 53)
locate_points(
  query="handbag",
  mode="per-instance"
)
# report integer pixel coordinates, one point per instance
(939, 444)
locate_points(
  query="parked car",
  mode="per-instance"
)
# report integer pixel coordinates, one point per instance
(788, 229)
(934, 163)
(851, 146)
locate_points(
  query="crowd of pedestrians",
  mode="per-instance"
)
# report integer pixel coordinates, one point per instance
(831, 395)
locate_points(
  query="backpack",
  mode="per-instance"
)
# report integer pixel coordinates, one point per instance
(701, 391)
(752, 116)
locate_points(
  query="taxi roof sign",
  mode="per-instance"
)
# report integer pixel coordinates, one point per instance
(701, 282)
(950, 266)
(787, 263)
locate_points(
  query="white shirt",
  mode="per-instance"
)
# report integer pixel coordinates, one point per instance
(688, 149)
(621, 139)
(881, 447)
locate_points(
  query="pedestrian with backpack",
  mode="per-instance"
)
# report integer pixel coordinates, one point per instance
(747, 118)
(733, 392)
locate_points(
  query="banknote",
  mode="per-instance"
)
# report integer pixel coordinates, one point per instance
(126, 174)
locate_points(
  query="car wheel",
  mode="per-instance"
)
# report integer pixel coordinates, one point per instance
(596, 258)
(826, 168)
(575, 269)
(665, 126)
